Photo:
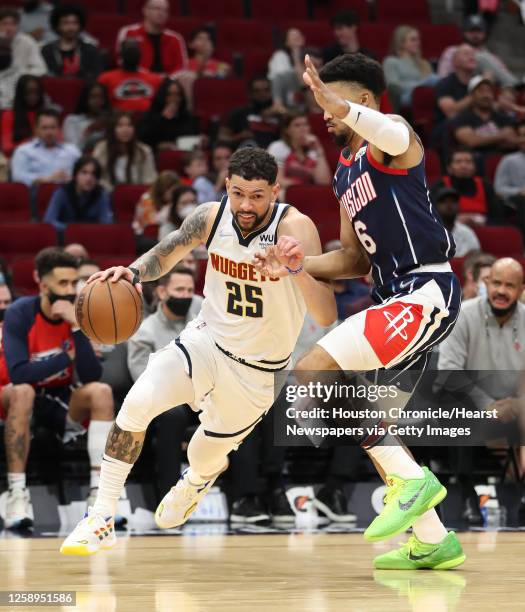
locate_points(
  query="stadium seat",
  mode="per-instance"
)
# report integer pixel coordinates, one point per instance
(316, 33)
(109, 240)
(328, 8)
(14, 203)
(105, 6)
(201, 274)
(491, 165)
(333, 153)
(376, 37)
(44, 193)
(432, 166)
(185, 25)
(171, 160)
(125, 198)
(23, 275)
(134, 7)
(275, 11)
(437, 37)
(105, 27)
(25, 239)
(63, 91)
(409, 11)
(239, 35)
(255, 62)
(456, 263)
(423, 103)
(501, 241)
(204, 9)
(312, 200)
(215, 98)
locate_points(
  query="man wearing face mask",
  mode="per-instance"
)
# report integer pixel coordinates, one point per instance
(44, 348)
(178, 305)
(489, 336)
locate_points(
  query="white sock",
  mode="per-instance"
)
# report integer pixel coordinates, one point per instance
(16, 480)
(113, 475)
(428, 528)
(194, 478)
(94, 478)
(97, 435)
(395, 460)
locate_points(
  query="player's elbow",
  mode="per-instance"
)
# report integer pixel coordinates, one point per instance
(393, 138)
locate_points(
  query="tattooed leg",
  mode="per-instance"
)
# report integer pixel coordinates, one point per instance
(124, 445)
(19, 401)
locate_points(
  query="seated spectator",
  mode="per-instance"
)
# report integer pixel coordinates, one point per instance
(44, 159)
(509, 181)
(82, 199)
(345, 25)
(168, 118)
(26, 54)
(129, 87)
(18, 124)
(258, 123)
(476, 270)
(78, 251)
(481, 127)
(154, 205)
(124, 159)
(196, 170)
(202, 63)
(405, 69)
(307, 102)
(220, 157)
(475, 35)
(88, 124)
(286, 67)
(184, 202)
(478, 202)
(34, 19)
(9, 75)
(43, 347)
(446, 200)
(508, 104)
(69, 55)
(299, 154)
(86, 269)
(161, 50)
(452, 95)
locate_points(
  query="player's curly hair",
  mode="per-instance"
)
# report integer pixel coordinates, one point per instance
(355, 68)
(253, 163)
(53, 257)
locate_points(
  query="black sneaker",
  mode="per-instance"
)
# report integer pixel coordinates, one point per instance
(521, 513)
(248, 509)
(280, 509)
(333, 504)
(471, 513)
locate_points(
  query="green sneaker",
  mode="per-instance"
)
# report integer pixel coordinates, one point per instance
(418, 555)
(405, 502)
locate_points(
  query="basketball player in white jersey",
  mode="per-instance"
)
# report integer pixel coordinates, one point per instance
(226, 360)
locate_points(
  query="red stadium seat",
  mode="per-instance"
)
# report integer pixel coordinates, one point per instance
(275, 11)
(23, 269)
(316, 33)
(432, 166)
(25, 239)
(214, 98)
(105, 27)
(110, 240)
(171, 160)
(328, 8)
(333, 153)
(125, 198)
(501, 241)
(134, 7)
(64, 92)
(255, 63)
(44, 193)
(205, 9)
(244, 35)
(312, 200)
(491, 165)
(201, 274)
(106, 6)
(185, 25)
(376, 37)
(456, 264)
(423, 103)
(14, 203)
(408, 11)
(109, 262)
(437, 37)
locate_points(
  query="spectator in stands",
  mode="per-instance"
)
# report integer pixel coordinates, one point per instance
(88, 124)
(9, 75)
(35, 19)
(405, 68)
(82, 199)
(308, 103)
(481, 127)
(299, 154)
(202, 63)
(162, 50)
(452, 95)
(43, 347)
(69, 55)
(478, 202)
(184, 203)
(154, 205)
(26, 54)
(177, 305)
(489, 335)
(168, 118)
(509, 181)
(258, 123)
(18, 124)
(78, 251)
(44, 159)
(129, 87)
(86, 269)
(286, 67)
(446, 200)
(475, 34)
(476, 270)
(124, 159)
(345, 25)
(196, 169)
(220, 158)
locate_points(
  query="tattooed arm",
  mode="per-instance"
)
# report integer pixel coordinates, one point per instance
(159, 260)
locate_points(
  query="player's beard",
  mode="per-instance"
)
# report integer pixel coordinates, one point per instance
(255, 223)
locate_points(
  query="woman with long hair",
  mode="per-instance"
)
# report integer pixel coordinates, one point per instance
(168, 117)
(82, 199)
(17, 124)
(286, 67)
(406, 68)
(184, 202)
(124, 159)
(88, 124)
(154, 205)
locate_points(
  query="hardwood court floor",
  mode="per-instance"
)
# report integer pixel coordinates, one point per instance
(317, 572)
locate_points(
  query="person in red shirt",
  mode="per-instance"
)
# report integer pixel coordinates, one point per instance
(202, 62)
(162, 50)
(130, 88)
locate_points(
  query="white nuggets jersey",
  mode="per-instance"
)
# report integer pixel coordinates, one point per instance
(254, 317)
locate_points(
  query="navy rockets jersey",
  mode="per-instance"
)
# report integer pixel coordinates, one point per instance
(392, 215)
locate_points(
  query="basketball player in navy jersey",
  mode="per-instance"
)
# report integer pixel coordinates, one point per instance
(388, 224)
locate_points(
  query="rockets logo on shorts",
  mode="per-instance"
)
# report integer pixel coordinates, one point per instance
(391, 329)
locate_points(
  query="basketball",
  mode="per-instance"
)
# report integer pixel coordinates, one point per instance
(109, 312)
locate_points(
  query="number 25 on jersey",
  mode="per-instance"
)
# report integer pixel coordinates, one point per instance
(244, 300)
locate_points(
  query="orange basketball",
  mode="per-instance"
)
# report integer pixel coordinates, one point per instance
(109, 312)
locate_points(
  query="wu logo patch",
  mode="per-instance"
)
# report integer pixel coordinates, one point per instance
(266, 240)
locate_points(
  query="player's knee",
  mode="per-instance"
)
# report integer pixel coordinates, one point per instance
(21, 398)
(136, 412)
(100, 401)
(315, 360)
